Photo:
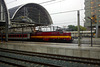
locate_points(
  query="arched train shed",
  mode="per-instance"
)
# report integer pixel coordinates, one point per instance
(4, 19)
(4, 14)
(30, 13)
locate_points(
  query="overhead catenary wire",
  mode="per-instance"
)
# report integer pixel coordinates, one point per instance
(39, 3)
(47, 1)
(57, 12)
(67, 22)
(69, 11)
(64, 22)
(54, 2)
(65, 12)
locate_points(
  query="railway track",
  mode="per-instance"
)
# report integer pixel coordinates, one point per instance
(8, 64)
(29, 59)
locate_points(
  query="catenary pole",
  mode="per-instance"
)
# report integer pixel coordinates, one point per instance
(91, 32)
(78, 19)
(91, 20)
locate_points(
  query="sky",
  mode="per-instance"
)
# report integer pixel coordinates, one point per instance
(61, 19)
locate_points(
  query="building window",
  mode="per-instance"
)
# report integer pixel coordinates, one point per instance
(99, 10)
(92, 2)
(92, 13)
(99, 5)
(99, 16)
(91, 7)
(99, 21)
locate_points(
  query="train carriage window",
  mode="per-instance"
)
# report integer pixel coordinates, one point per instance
(20, 35)
(25, 35)
(60, 32)
(11, 35)
(17, 35)
(14, 35)
(3, 35)
(8, 35)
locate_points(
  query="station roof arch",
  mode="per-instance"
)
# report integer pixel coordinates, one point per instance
(31, 13)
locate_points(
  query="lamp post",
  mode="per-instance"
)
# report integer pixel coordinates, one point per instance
(91, 30)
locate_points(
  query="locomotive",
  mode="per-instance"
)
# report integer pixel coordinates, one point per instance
(52, 36)
(41, 36)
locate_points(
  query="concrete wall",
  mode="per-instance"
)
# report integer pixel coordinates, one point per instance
(95, 41)
(69, 51)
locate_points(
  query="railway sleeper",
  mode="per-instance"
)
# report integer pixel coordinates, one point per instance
(8, 64)
(54, 56)
(25, 63)
(65, 58)
(46, 60)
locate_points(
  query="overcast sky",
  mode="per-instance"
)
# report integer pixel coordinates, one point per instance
(62, 19)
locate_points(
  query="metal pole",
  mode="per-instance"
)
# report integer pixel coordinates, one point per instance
(91, 30)
(53, 28)
(6, 19)
(22, 33)
(78, 15)
(39, 17)
(1, 36)
(91, 33)
(6, 32)
(97, 30)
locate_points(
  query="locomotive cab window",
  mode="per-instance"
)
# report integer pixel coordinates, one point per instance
(61, 32)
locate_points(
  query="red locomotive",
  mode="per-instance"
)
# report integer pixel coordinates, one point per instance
(41, 36)
(52, 36)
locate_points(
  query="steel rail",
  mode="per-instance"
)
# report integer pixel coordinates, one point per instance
(12, 64)
(23, 60)
(51, 56)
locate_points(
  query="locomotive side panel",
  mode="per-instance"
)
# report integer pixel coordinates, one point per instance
(51, 36)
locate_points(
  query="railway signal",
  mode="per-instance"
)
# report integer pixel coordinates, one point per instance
(94, 20)
(91, 28)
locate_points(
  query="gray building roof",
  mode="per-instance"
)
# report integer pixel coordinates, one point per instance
(31, 12)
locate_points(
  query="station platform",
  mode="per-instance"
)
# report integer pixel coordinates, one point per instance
(68, 49)
(88, 41)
